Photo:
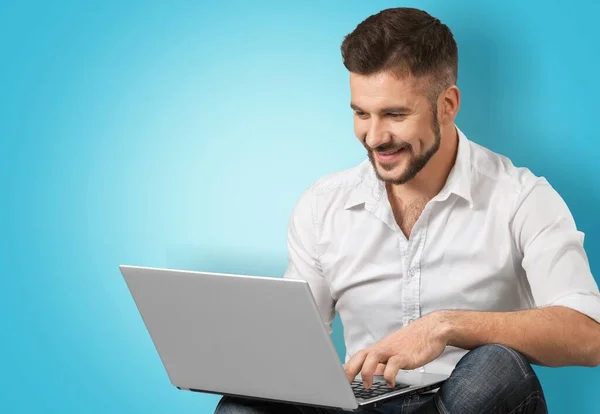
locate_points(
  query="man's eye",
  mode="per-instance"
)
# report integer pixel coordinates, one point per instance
(393, 115)
(360, 114)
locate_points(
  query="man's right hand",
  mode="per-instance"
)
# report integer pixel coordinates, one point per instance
(380, 369)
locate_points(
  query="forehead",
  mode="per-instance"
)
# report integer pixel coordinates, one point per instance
(384, 89)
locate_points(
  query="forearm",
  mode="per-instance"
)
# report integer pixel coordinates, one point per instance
(552, 336)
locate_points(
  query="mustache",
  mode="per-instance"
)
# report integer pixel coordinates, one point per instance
(393, 146)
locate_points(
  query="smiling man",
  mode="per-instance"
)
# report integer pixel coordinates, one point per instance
(439, 255)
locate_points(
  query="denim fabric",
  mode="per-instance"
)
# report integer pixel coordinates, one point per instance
(488, 379)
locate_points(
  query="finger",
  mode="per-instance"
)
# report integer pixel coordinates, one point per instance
(380, 369)
(368, 368)
(392, 367)
(354, 364)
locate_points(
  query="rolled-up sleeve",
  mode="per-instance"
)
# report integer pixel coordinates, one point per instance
(303, 260)
(553, 255)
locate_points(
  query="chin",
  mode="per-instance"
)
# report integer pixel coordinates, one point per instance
(395, 169)
(391, 175)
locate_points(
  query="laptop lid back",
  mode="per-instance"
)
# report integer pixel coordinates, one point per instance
(240, 335)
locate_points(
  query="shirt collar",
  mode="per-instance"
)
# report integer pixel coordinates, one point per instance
(459, 179)
(370, 189)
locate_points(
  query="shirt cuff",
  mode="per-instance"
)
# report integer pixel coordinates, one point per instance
(587, 303)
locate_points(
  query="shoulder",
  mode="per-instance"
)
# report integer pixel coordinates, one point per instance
(495, 176)
(511, 190)
(332, 191)
(342, 181)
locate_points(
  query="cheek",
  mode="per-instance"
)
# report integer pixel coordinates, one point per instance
(414, 132)
(360, 129)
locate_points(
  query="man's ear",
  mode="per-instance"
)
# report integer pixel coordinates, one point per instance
(449, 104)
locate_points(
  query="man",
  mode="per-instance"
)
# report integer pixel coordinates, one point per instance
(438, 254)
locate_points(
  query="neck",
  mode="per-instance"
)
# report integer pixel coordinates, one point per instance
(431, 179)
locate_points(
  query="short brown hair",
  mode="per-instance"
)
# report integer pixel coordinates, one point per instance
(404, 41)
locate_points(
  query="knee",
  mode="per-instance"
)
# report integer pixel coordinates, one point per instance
(235, 405)
(487, 376)
(498, 363)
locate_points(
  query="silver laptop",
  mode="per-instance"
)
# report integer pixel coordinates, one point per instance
(254, 337)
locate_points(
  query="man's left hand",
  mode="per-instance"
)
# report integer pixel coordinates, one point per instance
(411, 347)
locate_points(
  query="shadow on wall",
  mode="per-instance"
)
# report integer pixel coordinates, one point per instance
(222, 260)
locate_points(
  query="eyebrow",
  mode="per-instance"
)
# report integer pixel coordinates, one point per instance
(402, 109)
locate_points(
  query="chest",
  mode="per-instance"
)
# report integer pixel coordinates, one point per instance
(452, 260)
(407, 214)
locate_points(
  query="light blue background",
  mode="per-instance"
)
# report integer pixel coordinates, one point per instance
(181, 134)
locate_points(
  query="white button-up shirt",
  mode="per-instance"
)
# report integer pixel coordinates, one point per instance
(496, 238)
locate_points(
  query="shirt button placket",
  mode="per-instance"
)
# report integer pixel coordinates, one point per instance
(416, 249)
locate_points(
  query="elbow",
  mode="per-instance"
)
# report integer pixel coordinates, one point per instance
(591, 337)
(592, 362)
(594, 355)
(595, 362)
(596, 348)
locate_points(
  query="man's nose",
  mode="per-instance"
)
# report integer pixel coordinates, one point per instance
(377, 135)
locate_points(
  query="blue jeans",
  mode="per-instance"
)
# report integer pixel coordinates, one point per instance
(488, 379)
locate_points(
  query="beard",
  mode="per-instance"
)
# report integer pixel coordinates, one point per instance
(415, 163)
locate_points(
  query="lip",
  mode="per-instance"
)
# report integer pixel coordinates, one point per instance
(389, 157)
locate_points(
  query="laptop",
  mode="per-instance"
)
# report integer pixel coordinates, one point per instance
(253, 337)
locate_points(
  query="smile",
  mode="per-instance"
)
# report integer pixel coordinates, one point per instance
(389, 156)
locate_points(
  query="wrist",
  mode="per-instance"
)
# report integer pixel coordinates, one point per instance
(445, 327)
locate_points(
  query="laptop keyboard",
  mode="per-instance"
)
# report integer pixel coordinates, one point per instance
(377, 389)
